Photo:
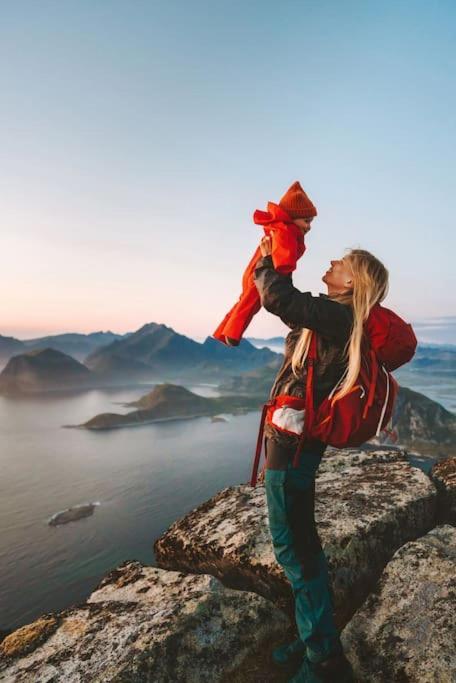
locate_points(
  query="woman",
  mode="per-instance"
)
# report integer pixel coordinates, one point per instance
(355, 283)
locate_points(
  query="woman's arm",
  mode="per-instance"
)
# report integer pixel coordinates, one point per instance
(320, 313)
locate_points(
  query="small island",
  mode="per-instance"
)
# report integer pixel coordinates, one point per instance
(72, 514)
(172, 402)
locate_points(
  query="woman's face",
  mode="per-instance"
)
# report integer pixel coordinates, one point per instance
(338, 278)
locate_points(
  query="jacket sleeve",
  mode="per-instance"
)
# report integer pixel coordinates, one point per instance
(295, 308)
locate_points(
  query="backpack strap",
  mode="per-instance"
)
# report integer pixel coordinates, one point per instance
(257, 457)
(373, 381)
(308, 416)
(375, 365)
(309, 406)
(385, 402)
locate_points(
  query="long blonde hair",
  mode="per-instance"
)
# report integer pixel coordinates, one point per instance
(370, 286)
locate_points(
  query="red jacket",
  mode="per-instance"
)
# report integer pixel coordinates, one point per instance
(287, 248)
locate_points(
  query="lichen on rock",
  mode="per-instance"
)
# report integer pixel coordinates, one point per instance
(406, 629)
(145, 623)
(367, 505)
(443, 474)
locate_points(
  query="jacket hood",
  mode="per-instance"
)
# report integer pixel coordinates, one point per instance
(274, 213)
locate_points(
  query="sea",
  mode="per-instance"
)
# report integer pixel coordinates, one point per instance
(143, 477)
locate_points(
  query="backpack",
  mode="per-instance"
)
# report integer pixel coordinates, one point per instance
(387, 343)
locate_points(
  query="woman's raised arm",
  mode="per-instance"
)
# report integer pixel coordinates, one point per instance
(320, 313)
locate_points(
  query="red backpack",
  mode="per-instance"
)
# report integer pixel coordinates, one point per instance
(388, 343)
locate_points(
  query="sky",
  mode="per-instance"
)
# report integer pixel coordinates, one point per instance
(138, 138)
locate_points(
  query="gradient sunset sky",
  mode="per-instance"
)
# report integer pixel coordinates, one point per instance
(138, 138)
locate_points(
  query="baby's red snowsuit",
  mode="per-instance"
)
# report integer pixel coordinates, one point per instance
(287, 248)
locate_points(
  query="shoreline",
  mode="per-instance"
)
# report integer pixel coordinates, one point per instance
(151, 421)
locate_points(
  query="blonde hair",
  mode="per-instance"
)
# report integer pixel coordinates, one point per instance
(370, 286)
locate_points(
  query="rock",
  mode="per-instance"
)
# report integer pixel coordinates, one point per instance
(367, 505)
(406, 629)
(443, 474)
(145, 624)
(73, 514)
(28, 637)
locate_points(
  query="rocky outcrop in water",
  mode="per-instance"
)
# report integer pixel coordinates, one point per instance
(72, 514)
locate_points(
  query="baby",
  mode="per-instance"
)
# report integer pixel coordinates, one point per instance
(298, 205)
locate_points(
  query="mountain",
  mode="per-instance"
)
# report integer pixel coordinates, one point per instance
(256, 382)
(156, 350)
(433, 357)
(442, 358)
(8, 347)
(73, 343)
(163, 396)
(273, 341)
(423, 424)
(43, 370)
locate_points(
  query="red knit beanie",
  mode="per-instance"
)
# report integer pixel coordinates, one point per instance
(296, 203)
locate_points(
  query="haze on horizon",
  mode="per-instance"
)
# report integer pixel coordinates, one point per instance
(138, 139)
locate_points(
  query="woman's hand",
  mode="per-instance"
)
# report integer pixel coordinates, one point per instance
(266, 245)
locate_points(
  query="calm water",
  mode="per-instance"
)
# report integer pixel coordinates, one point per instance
(144, 477)
(439, 385)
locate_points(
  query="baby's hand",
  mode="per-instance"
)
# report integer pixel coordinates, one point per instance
(266, 245)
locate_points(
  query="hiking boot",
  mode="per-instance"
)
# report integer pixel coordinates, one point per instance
(335, 669)
(290, 652)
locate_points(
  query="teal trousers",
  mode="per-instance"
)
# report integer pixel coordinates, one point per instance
(290, 495)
